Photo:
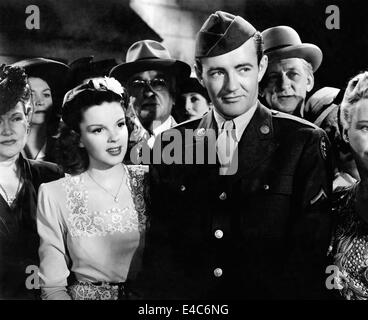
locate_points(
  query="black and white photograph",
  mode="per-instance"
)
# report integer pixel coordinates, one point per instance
(183, 155)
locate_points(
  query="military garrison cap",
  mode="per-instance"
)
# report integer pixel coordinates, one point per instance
(221, 33)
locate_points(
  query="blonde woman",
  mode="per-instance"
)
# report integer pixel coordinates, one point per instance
(350, 243)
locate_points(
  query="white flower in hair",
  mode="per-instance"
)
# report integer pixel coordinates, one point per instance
(100, 83)
(108, 83)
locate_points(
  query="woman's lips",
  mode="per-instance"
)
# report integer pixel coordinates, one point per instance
(114, 151)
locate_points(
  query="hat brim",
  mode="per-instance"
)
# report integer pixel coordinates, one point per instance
(53, 72)
(124, 71)
(306, 51)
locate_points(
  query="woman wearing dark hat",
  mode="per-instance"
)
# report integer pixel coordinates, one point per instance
(91, 223)
(350, 242)
(193, 101)
(86, 68)
(19, 182)
(47, 79)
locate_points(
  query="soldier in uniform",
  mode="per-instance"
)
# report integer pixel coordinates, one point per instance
(260, 231)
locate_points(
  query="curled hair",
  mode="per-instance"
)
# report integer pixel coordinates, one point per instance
(13, 88)
(356, 90)
(73, 158)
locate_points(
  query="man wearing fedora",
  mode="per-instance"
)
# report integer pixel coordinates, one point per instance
(260, 231)
(289, 76)
(150, 76)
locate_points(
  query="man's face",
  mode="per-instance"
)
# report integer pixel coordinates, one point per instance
(153, 100)
(286, 84)
(232, 79)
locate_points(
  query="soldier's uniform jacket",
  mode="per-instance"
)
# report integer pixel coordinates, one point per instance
(260, 233)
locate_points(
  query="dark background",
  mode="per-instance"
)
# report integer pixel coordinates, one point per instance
(344, 50)
(75, 28)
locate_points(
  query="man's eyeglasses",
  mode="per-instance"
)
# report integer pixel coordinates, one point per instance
(156, 84)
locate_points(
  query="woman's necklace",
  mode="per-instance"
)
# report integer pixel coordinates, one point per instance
(116, 199)
(10, 199)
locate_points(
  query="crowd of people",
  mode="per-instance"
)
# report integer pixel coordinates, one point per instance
(285, 197)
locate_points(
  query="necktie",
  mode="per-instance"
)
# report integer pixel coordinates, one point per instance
(226, 144)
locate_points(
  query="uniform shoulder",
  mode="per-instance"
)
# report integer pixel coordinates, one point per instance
(189, 124)
(292, 120)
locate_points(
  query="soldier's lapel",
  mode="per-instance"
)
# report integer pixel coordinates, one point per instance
(256, 144)
(204, 136)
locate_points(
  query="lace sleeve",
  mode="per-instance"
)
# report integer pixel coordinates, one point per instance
(140, 187)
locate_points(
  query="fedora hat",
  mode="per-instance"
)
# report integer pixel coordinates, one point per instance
(283, 42)
(53, 72)
(149, 55)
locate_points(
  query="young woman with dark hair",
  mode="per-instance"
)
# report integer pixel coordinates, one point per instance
(91, 223)
(47, 81)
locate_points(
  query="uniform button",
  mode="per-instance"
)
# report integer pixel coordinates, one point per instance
(217, 272)
(265, 129)
(201, 132)
(223, 196)
(266, 187)
(182, 188)
(219, 234)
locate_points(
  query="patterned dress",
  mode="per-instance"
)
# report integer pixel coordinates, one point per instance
(350, 246)
(98, 244)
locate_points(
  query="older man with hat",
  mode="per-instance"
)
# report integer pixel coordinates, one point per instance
(254, 226)
(151, 75)
(290, 73)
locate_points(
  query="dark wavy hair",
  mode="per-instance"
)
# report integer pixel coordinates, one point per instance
(69, 155)
(13, 88)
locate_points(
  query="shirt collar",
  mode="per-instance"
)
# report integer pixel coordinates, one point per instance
(167, 124)
(241, 122)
